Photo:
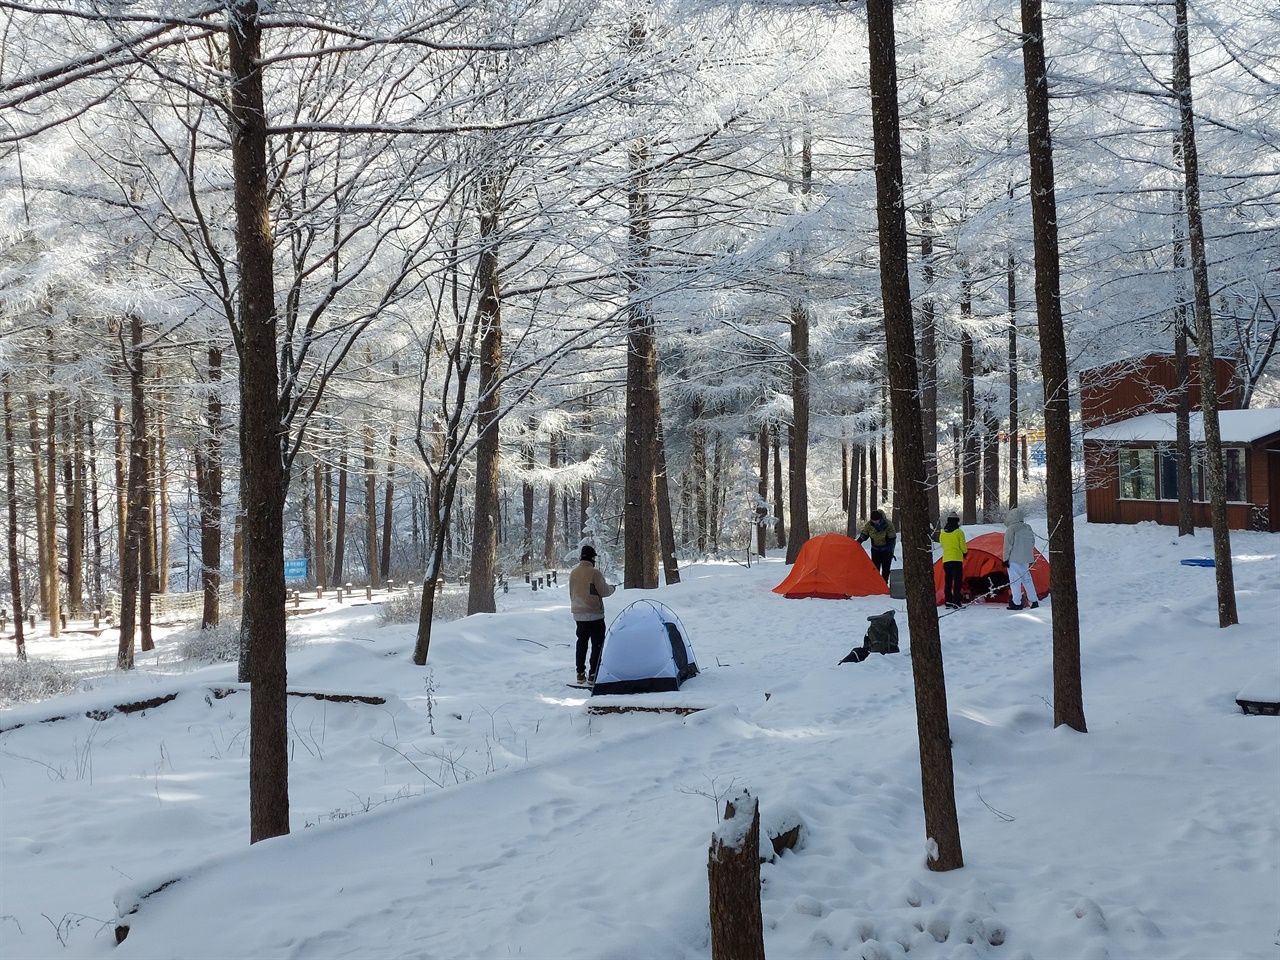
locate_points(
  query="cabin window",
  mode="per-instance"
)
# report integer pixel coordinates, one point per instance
(1169, 475)
(1137, 474)
(1233, 467)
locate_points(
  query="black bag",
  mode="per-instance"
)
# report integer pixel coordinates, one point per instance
(882, 637)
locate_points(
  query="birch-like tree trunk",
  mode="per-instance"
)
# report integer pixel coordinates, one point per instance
(1011, 292)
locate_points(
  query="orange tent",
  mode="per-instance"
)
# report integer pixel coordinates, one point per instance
(832, 567)
(983, 560)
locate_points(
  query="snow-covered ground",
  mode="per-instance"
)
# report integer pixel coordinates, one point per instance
(481, 812)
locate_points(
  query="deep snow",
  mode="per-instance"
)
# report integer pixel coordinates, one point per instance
(481, 812)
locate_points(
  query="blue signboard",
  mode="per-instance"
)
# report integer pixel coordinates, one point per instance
(295, 570)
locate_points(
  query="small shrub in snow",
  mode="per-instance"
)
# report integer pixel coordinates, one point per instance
(218, 644)
(26, 681)
(403, 608)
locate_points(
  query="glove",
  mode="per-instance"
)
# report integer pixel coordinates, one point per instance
(1006, 564)
(862, 539)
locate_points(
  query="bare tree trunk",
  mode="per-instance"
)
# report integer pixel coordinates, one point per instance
(968, 408)
(1215, 470)
(733, 880)
(873, 474)
(144, 505)
(340, 523)
(762, 491)
(73, 489)
(855, 473)
(717, 468)
(640, 494)
(800, 362)
(96, 514)
(526, 495)
(1012, 293)
(388, 506)
(209, 491)
(990, 466)
(131, 568)
(780, 528)
(11, 492)
(121, 468)
(39, 502)
(262, 476)
(698, 470)
(929, 347)
(371, 509)
(484, 547)
(162, 483)
(936, 774)
(54, 610)
(1068, 699)
(666, 527)
(322, 526)
(1182, 444)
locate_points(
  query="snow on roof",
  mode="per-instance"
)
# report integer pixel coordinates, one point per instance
(1236, 426)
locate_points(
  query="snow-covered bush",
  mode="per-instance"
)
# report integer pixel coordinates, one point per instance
(217, 644)
(25, 681)
(404, 608)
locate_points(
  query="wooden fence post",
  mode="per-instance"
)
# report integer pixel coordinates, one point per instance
(733, 873)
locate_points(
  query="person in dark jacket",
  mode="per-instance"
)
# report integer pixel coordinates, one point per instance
(884, 539)
(587, 590)
(954, 549)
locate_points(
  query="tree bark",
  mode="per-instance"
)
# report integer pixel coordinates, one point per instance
(340, 523)
(733, 881)
(371, 510)
(54, 610)
(388, 507)
(131, 567)
(484, 547)
(11, 497)
(936, 774)
(162, 488)
(209, 492)
(666, 526)
(262, 476)
(800, 363)
(929, 346)
(762, 491)
(1215, 470)
(322, 525)
(780, 528)
(968, 408)
(1068, 699)
(74, 470)
(38, 501)
(640, 493)
(1011, 287)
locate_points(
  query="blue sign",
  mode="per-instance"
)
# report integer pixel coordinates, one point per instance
(295, 570)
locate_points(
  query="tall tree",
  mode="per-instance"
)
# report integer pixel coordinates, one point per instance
(1068, 697)
(936, 774)
(1215, 470)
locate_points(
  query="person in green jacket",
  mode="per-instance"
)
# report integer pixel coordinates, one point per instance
(954, 551)
(879, 529)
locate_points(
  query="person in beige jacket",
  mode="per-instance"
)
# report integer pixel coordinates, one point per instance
(587, 590)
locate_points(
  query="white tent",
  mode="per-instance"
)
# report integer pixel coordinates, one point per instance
(646, 650)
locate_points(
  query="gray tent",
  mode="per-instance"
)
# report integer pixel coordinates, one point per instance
(646, 650)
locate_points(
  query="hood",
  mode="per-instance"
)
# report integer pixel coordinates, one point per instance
(1015, 515)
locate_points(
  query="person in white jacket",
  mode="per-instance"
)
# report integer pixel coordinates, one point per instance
(1019, 552)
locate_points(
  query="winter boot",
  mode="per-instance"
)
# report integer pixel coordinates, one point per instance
(1014, 606)
(582, 677)
(1036, 605)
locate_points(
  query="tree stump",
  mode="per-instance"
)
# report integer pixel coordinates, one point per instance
(733, 872)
